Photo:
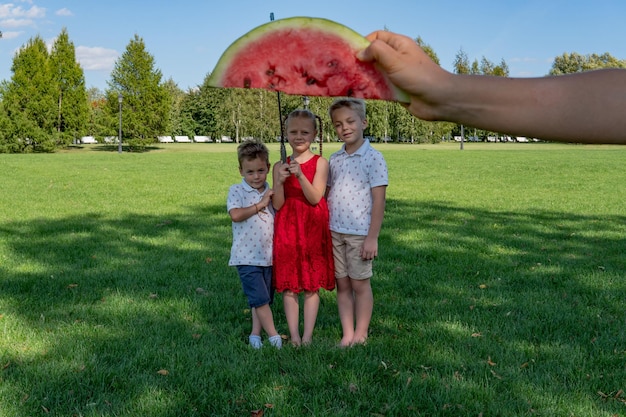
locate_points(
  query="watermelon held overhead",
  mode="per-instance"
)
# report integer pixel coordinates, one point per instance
(303, 56)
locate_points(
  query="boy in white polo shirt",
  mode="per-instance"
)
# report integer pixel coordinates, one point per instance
(249, 206)
(356, 201)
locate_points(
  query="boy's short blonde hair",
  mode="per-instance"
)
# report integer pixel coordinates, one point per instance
(251, 150)
(355, 104)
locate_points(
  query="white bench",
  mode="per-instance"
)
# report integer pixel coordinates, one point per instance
(165, 139)
(88, 139)
(183, 139)
(202, 139)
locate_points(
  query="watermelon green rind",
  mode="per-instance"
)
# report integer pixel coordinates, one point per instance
(368, 81)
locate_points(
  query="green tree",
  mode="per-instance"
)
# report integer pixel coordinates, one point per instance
(180, 122)
(99, 121)
(71, 95)
(569, 63)
(146, 102)
(5, 123)
(461, 63)
(30, 100)
(501, 70)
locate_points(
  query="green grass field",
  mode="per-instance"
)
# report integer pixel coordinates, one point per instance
(500, 289)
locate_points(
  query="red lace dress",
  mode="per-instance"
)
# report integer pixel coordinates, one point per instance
(303, 247)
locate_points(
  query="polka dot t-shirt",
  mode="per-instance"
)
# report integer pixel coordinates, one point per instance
(252, 238)
(351, 179)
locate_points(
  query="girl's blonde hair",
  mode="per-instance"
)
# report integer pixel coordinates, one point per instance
(304, 114)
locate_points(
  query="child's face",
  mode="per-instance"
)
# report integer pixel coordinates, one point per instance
(300, 133)
(349, 126)
(254, 172)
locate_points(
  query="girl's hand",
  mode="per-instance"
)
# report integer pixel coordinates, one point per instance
(283, 173)
(294, 168)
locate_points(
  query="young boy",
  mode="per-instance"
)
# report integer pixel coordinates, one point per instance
(249, 207)
(356, 201)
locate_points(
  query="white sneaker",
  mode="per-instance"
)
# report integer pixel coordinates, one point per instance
(276, 341)
(255, 341)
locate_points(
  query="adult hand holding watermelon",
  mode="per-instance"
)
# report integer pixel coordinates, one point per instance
(303, 56)
(583, 107)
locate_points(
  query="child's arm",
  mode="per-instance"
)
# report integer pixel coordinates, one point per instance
(314, 191)
(240, 214)
(278, 175)
(370, 245)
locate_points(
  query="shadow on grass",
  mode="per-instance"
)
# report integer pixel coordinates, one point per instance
(483, 310)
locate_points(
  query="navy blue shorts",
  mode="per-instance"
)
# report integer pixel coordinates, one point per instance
(257, 284)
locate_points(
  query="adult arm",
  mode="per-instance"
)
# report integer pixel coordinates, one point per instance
(582, 107)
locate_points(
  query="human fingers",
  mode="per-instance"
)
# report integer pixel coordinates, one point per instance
(411, 69)
(385, 48)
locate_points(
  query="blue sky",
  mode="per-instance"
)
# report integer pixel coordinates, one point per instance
(186, 38)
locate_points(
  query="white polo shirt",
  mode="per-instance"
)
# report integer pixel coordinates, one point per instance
(351, 179)
(252, 238)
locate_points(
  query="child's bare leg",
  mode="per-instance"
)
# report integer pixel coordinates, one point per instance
(345, 304)
(265, 319)
(256, 323)
(290, 303)
(311, 307)
(363, 306)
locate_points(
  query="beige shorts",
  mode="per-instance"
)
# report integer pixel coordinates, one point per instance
(347, 255)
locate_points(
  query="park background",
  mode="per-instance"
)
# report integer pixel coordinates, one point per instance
(499, 289)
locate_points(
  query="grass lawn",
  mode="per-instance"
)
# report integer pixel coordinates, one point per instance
(500, 289)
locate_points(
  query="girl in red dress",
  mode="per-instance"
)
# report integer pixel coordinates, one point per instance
(303, 257)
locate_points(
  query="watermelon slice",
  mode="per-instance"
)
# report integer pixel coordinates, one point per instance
(303, 56)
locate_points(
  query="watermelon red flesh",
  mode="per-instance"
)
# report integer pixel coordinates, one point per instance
(303, 56)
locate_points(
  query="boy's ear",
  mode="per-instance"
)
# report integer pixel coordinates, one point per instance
(364, 123)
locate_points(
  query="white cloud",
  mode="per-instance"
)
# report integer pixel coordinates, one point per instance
(16, 23)
(96, 58)
(10, 10)
(64, 12)
(11, 35)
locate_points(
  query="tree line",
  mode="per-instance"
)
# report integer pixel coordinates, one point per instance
(46, 105)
